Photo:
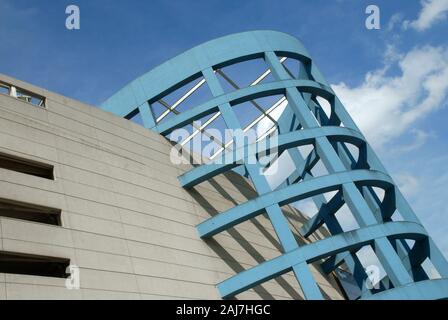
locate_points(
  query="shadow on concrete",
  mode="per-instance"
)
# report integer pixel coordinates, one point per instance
(246, 245)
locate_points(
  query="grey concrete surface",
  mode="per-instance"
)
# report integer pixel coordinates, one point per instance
(126, 222)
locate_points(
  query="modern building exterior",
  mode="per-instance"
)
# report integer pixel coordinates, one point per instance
(84, 187)
(80, 186)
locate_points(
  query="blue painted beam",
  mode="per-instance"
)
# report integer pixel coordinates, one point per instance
(290, 194)
(237, 97)
(304, 115)
(284, 141)
(317, 250)
(278, 220)
(436, 289)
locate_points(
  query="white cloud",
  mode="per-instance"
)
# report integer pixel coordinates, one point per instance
(385, 106)
(407, 183)
(394, 20)
(346, 219)
(265, 124)
(307, 207)
(420, 138)
(432, 12)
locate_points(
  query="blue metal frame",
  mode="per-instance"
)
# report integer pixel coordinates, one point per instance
(303, 122)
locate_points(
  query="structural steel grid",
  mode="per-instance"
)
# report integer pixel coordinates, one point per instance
(386, 222)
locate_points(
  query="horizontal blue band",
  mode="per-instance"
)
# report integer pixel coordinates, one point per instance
(284, 141)
(314, 251)
(232, 48)
(436, 289)
(240, 96)
(295, 192)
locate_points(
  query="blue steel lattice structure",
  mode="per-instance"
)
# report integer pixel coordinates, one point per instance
(304, 122)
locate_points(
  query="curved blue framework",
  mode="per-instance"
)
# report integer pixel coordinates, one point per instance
(303, 122)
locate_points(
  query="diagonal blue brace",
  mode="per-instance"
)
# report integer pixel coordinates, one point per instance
(304, 121)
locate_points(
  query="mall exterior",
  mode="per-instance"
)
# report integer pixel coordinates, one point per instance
(86, 187)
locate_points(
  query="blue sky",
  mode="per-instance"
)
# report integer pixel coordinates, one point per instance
(394, 81)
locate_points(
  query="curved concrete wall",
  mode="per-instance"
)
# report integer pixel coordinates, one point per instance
(126, 221)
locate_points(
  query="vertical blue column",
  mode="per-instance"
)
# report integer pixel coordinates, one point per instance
(147, 115)
(402, 262)
(333, 163)
(278, 220)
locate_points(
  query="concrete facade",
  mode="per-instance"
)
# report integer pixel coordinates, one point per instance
(127, 223)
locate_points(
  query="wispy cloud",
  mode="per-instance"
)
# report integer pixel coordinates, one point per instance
(407, 183)
(386, 106)
(432, 12)
(394, 20)
(420, 138)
